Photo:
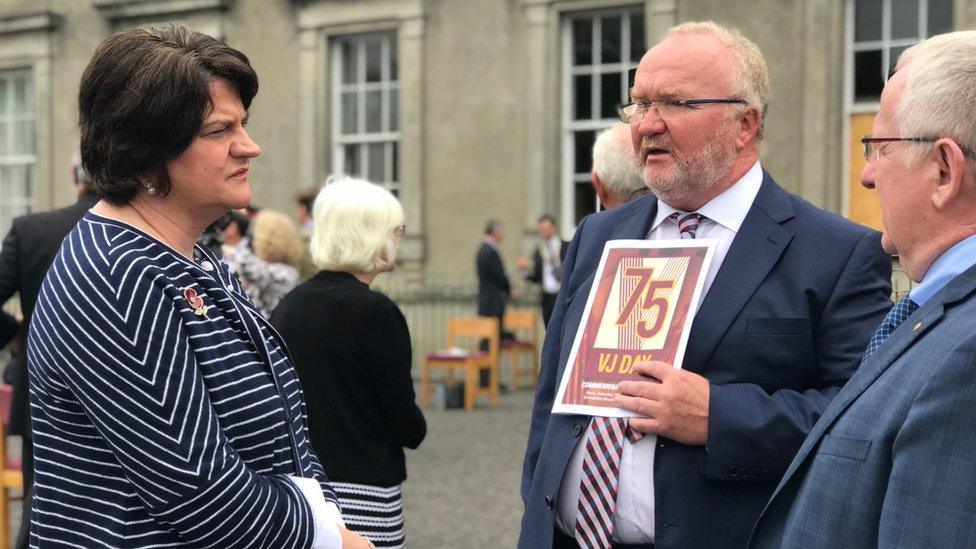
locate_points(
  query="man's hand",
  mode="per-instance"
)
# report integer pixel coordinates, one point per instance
(674, 403)
(352, 540)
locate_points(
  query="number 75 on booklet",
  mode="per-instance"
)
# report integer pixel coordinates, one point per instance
(641, 305)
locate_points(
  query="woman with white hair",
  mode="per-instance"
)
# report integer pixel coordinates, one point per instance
(351, 349)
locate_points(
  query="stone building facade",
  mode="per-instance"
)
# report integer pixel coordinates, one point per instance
(468, 109)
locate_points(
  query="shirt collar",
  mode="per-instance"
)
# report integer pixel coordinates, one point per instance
(952, 262)
(728, 209)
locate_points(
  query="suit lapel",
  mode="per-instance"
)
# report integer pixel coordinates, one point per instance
(756, 248)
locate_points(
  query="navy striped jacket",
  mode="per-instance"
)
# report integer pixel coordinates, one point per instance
(155, 426)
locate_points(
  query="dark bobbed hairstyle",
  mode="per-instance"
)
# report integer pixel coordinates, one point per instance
(143, 99)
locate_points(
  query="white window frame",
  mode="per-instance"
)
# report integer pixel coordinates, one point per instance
(386, 86)
(18, 204)
(569, 126)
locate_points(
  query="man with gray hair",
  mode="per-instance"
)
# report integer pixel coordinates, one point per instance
(789, 303)
(892, 461)
(615, 176)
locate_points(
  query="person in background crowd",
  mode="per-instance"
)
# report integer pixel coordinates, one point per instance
(616, 177)
(547, 263)
(788, 305)
(233, 229)
(352, 353)
(166, 411)
(303, 209)
(304, 200)
(28, 250)
(494, 289)
(268, 268)
(892, 461)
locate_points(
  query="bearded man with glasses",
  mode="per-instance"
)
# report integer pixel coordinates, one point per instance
(788, 307)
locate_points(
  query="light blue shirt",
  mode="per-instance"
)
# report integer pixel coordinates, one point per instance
(947, 266)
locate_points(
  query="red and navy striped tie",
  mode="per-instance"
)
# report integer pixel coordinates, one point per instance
(687, 223)
(598, 485)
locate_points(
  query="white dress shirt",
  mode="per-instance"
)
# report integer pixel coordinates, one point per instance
(634, 513)
(550, 262)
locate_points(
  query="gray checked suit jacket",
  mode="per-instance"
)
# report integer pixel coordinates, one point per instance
(892, 461)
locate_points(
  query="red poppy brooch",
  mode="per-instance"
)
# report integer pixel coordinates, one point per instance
(196, 302)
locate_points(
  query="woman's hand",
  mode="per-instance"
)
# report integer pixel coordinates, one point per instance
(352, 540)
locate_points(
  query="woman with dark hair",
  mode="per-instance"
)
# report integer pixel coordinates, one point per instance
(166, 411)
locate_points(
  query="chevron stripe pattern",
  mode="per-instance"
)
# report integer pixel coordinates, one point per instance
(154, 425)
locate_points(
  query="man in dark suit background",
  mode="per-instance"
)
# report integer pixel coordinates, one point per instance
(28, 250)
(547, 263)
(792, 297)
(892, 461)
(493, 287)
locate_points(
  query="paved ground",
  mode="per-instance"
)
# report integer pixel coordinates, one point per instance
(462, 488)
(463, 482)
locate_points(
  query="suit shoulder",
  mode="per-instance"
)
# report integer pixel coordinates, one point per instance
(830, 223)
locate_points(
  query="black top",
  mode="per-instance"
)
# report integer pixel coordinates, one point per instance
(351, 349)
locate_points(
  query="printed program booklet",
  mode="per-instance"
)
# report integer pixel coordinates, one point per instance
(641, 305)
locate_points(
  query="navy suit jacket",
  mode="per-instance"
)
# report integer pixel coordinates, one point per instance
(780, 331)
(892, 462)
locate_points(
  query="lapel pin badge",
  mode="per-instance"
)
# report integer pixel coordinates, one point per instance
(196, 302)
(917, 326)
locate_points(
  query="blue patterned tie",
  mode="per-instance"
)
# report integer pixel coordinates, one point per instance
(902, 310)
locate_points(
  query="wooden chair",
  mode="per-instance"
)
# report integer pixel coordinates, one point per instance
(10, 473)
(524, 323)
(469, 362)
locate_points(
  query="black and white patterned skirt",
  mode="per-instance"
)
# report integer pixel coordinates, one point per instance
(372, 511)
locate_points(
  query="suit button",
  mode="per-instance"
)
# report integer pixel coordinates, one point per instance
(549, 502)
(577, 429)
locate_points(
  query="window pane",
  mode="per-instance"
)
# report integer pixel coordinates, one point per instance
(610, 39)
(374, 115)
(20, 95)
(867, 20)
(396, 161)
(904, 19)
(394, 66)
(611, 94)
(582, 41)
(868, 79)
(350, 112)
(583, 151)
(893, 56)
(350, 160)
(24, 137)
(376, 158)
(394, 110)
(349, 62)
(637, 46)
(940, 16)
(584, 97)
(374, 60)
(585, 201)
